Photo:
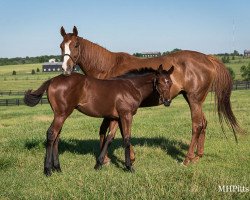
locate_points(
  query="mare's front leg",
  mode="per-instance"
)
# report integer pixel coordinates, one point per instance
(101, 159)
(198, 131)
(126, 123)
(52, 135)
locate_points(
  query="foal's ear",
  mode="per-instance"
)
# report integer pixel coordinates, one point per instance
(75, 31)
(159, 70)
(170, 70)
(63, 33)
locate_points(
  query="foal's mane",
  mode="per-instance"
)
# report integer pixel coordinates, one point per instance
(138, 72)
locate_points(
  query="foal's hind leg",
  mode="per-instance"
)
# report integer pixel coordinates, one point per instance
(52, 134)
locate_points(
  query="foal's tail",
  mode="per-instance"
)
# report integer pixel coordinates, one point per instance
(32, 98)
(222, 88)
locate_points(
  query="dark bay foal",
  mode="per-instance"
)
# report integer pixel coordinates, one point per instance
(117, 99)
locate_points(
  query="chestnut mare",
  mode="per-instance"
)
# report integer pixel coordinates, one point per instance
(117, 100)
(194, 75)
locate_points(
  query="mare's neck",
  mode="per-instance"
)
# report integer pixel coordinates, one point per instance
(94, 60)
(101, 63)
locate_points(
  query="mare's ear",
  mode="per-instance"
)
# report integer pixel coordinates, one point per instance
(63, 33)
(75, 31)
(170, 70)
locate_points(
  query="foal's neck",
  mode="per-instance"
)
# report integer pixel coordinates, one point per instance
(144, 84)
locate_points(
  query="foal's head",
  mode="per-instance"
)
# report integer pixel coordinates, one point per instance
(163, 84)
(71, 50)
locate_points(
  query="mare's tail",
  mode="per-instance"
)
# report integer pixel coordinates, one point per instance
(222, 88)
(32, 98)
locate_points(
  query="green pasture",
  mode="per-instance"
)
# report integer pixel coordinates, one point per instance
(160, 137)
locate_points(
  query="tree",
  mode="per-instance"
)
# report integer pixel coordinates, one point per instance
(37, 70)
(236, 53)
(225, 59)
(33, 71)
(14, 72)
(231, 71)
(245, 72)
(137, 54)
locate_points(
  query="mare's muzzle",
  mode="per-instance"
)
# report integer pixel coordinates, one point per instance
(167, 102)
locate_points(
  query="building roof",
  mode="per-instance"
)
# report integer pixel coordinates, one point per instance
(51, 64)
(151, 52)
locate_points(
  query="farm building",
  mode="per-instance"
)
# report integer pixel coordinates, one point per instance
(150, 54)
(247, 53)
(55, 67)
(52, 66)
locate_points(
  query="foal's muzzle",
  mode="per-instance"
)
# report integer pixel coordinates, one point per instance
(167, 102)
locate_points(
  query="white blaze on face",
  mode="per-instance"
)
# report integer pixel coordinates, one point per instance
(66, 58)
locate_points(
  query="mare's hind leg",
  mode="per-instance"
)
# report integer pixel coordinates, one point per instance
(52, 135)
(103, 130)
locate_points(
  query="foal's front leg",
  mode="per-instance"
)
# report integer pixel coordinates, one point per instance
(55, 156)
(103, 130)
(103, 155)
(112, 128)
(126, 123)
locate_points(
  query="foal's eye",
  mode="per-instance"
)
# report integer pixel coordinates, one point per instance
(167, 81)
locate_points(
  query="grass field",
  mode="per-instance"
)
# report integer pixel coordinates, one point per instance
(160, 136)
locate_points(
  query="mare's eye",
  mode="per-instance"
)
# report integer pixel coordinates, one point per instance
(76, 45)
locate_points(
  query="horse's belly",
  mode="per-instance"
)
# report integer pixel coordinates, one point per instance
(97, 110)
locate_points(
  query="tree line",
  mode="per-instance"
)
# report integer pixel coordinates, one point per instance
(28, 60)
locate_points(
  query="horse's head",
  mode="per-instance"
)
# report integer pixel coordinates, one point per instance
(71, 50)
(163, 84)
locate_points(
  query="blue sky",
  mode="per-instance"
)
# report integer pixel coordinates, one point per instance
(31, 28)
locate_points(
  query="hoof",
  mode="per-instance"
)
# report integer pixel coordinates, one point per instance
(47, 172)
(189, 161)
(130, 169)
(98, 166)
(56, 169)
(106, 160)
(132, 161)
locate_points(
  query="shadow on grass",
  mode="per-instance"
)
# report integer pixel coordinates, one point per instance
(173, 148)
